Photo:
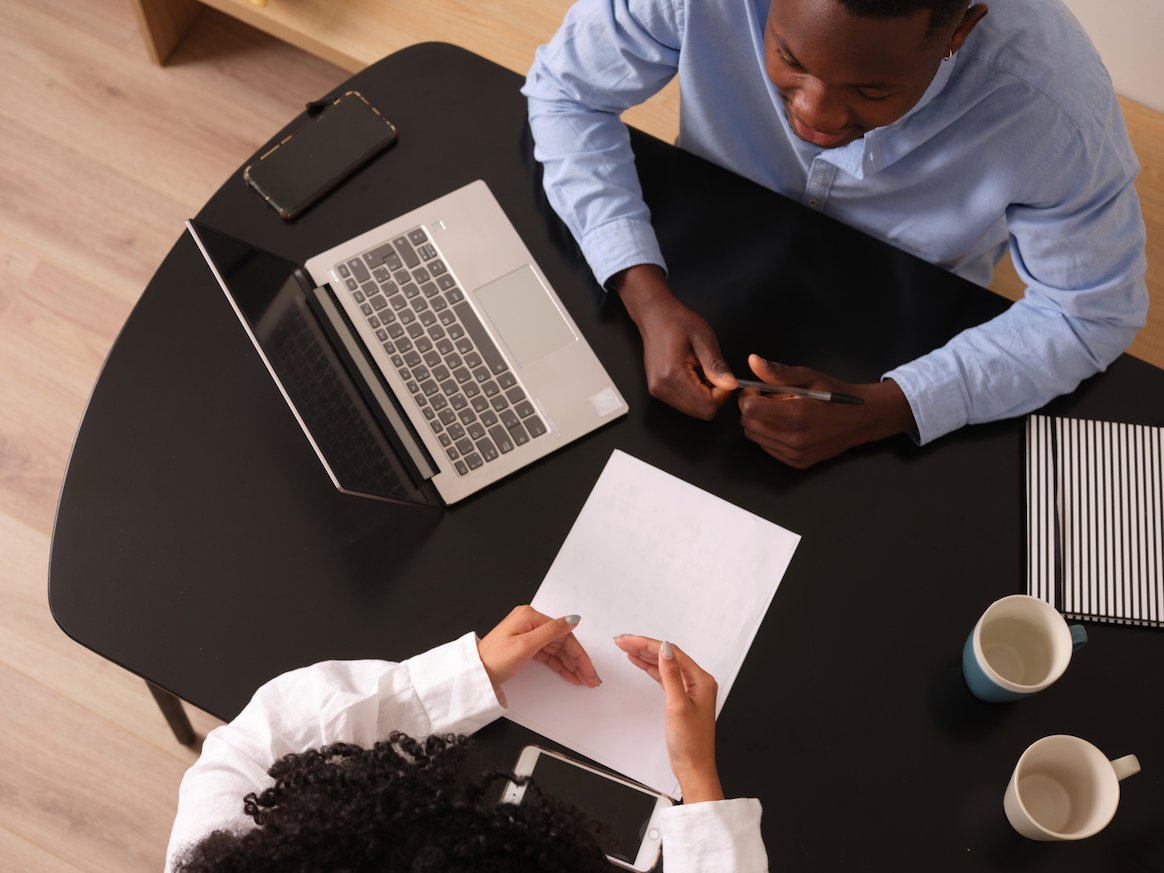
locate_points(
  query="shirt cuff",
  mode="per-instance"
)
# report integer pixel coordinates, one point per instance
(617, 245)
(936, 397)
(720, 835)
(454, 688)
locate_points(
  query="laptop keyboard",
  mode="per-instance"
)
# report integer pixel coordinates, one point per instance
(468, 394)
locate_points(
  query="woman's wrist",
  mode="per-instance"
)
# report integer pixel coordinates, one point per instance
(701, 787)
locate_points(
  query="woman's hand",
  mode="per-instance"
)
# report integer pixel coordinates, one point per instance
(689, 713)
(526, 635)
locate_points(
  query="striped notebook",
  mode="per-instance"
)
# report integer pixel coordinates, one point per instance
(1095, 519)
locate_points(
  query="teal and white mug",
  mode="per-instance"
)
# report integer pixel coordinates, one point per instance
(1019, 646)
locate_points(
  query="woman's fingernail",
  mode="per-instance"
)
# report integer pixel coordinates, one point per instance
(666, 650)
(573, 619)
(620, 636)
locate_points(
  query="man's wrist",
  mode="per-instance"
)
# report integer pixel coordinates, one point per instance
(640, 287)
(892, 412)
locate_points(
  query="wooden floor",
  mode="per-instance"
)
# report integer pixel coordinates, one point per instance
(102, 155)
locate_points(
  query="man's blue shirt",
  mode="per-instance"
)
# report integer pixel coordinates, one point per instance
(1018, 141)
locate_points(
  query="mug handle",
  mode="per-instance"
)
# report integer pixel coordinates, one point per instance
(1078, 636)
(1128, 765)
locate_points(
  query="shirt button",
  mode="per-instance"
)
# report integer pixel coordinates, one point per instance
(812, 201)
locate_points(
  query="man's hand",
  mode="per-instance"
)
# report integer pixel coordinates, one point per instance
(689, 713)
(802, 432)
(526, 635)
(681, 355)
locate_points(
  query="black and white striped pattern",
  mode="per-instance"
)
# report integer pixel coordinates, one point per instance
(1095, 519)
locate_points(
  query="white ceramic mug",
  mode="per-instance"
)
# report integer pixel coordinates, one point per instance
(1064, 788)
(1019, 646)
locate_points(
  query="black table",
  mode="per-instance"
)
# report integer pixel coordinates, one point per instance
(200, 545)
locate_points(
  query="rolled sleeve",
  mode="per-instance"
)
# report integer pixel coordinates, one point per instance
(715, 837)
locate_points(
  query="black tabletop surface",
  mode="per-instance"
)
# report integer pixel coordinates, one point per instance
(200, 544)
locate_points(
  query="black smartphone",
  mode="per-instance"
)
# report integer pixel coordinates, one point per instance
(632, 838)
(321, 154)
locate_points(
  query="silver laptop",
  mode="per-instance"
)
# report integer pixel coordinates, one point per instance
(424, 359)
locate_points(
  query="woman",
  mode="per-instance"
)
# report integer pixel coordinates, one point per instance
(353, 765)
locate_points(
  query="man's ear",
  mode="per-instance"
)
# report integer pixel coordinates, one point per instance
(969, 21)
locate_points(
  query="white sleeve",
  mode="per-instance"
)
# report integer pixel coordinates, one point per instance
(721, 836)
(445, 690)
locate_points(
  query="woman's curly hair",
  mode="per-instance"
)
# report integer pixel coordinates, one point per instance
(402, 805)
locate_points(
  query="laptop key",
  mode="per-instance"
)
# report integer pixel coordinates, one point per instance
(437, 268)
(462, 375)
(407, 316)
(406, 251)
(509, 419)
(455, 431)
(480, 404)
(499, 402)
(446, 416)
(359, 271)
(481, 338)
(446, 282)
(524, 409)
(445, 439)
(426, 252)
(506, 380)
(343, 270)
(488, 417)
(439, 305)
(476, 430)
(381, 274)
(402, 276)
(455, 330)
(515, 394)
(431, 357)
(534, 426)
(359, 296)
(437, 333)
(378, 302)
(440, 372)
(417, 236)
(396, 330)
(472, 359)
(452, 453)
(470, 388)
(438, 401)
(501, 439)
(461, 468)
(423, 344)
(488, 450)
(376, 257)
(410, 290)
(467, 415)
(419, 370)
(398, 302)
(416, 330)
(466, 446)
(474, 461)
(420, 275)
(429, 289)
(491, 390)
(519, 434)
(428, 318)
(450, 388)
(429, 387)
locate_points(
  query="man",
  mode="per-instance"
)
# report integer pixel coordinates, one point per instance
(931, 124)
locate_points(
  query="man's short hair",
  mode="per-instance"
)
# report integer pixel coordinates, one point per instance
(943, 13)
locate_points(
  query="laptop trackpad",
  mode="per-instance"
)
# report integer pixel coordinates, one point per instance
(525, 316)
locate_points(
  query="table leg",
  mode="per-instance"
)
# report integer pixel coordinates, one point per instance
(171, 708)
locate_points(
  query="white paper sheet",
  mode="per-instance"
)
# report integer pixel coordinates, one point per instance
(649, 554)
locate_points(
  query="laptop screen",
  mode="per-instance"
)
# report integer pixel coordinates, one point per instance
(272, 297)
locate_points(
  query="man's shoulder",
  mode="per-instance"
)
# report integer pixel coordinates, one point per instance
(1037, 49)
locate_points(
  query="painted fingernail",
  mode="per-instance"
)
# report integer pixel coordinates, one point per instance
(620, 636)
(573, 619)
(666, 650)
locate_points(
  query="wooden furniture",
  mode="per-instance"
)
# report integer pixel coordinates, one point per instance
(355, 33)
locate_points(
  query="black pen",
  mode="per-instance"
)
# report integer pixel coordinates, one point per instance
(826, 396)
